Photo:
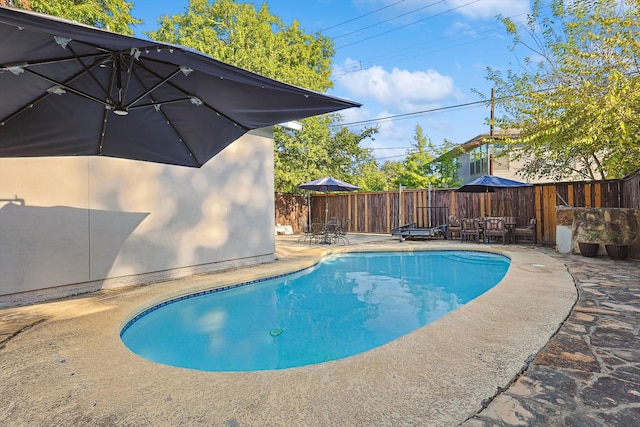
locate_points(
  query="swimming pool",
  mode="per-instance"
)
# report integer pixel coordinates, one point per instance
(346, 304)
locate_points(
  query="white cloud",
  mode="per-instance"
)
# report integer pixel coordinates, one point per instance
(398, 89)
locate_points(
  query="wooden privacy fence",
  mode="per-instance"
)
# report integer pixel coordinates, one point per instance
(379, 212)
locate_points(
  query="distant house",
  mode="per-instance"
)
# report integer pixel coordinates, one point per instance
(482, 155)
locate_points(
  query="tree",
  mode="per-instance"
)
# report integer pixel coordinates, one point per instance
(113, 15)
(392, 170)
(576, 101)
(444, 169)
(415, 165)
(317, 151)
(253, 39)
(238, 34)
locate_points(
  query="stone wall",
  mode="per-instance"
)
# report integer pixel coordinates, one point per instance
(601, 225)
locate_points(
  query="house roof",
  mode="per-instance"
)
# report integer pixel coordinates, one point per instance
(482, 138)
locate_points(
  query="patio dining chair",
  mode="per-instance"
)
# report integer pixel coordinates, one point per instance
(494, 228)
(341, 232)
(528, 232)
(306, 230)
(453, 227)
(318, 233)
(469, 229)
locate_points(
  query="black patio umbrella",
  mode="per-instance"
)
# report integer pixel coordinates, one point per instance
(326, 185)
(488, 184)
(74, 90)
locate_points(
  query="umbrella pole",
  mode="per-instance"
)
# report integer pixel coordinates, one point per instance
(309, 211)
(326, 207)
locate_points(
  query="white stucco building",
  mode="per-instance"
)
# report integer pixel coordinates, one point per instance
(77, 224)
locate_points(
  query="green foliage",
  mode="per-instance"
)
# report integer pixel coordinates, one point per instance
(445, 167)
(112, 15)
(253, 39)
(392, 171)
(317, 150)
(239, 34)
(415, 165)
(576, 100)
(426, 164)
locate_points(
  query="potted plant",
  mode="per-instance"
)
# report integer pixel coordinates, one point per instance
(614, 245)
(588, 242)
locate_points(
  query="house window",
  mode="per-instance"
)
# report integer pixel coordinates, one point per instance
(477, 161)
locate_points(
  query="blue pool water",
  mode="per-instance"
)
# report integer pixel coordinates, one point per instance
(345, 305)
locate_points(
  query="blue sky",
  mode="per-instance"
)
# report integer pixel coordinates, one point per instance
(399, 57)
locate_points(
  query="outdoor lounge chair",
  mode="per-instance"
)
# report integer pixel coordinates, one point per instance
(528, 232)
(469, 229)
(494, 228)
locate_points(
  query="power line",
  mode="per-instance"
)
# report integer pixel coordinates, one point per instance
(388, 20)
(390, 148)
(407, 25)
(433, 110)
(362, 16)
(408, 115)
(427, 47)
(391, 157)
(430, 44)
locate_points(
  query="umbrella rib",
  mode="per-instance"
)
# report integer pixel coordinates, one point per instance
(156, 103)
(61, 84)
(96, 81)
(105, 118)
(148, 91)
(219, 113)
(69, 88)
(6, 67)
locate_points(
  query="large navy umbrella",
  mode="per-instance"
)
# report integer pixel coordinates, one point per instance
(73, 90)
(326, 185)
(489, 184)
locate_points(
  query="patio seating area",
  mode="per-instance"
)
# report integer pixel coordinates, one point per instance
(326, 233)
(503, 230)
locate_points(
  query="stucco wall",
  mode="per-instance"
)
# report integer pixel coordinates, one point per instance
(75, 222)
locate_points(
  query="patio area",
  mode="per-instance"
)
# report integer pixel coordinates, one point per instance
(62, 362)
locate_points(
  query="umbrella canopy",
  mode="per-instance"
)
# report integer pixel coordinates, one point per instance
(326, 185)
(489, 183)
(70, 89)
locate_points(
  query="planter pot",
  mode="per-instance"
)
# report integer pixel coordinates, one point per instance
(588, 249)
(618, 252)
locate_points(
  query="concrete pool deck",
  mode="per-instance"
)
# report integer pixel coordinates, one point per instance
(62, 362)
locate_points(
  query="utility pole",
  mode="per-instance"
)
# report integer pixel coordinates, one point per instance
(493, 106)
(491, 133)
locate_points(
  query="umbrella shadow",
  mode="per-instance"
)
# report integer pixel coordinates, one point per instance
(59, 245)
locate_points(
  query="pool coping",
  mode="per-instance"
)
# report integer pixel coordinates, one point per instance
(73, 368)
